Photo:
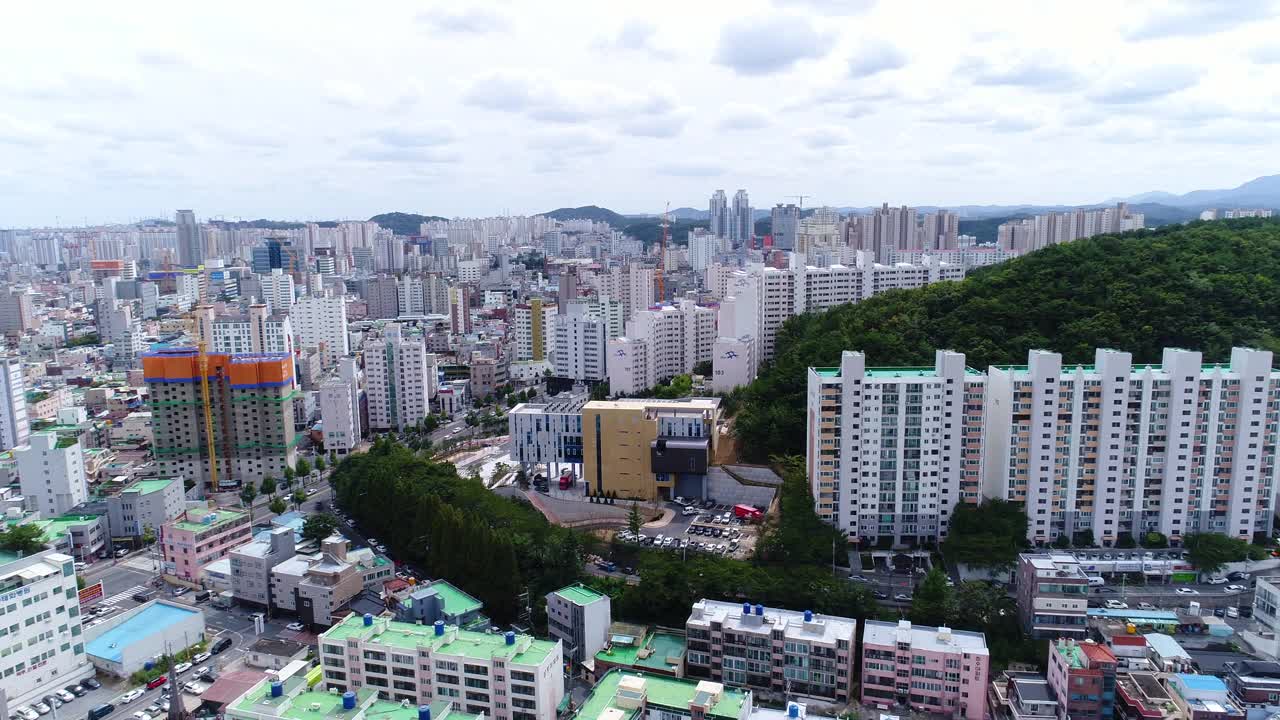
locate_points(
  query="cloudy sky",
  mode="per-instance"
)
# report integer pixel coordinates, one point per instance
(328, 110)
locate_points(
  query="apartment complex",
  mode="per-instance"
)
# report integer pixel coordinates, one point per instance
(504, 676)
(671, 340)
(937, 670)
(579, 343)
(893, 450)
(781, 651)
(51, 473)
(1113, 447)
(647, 448)
(251, 398)
(40, 630)
(321, 323)
(1052, 228)
(1053, 596)
(400, 379)
(199, 536)
(256, 331)
(579, 618)
(1083, 677)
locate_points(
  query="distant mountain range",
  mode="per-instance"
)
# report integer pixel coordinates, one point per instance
(1263, 192)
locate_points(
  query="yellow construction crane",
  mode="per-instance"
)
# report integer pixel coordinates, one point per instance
(202, 365)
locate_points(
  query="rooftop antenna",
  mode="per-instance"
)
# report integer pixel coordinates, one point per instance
(800, 198)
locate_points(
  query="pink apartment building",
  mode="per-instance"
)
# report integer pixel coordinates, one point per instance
(937, 670)
(198, 537)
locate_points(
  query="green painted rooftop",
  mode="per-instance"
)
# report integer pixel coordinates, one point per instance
(668, 692)
(467, 643)
(663, 646)
(456, 602)
(224, 516)
(579, 595)
(314, 704)
(146, 487)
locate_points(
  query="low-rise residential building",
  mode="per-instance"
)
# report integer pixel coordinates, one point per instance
(442, 600)
(143, 505)
(40, 626)
(622, 694)
(199, 536)
(1203, 697)
(252, 563)
(579, 617)
(1254, 682)
(1021, 696)
(317, 587)
(504, 676)
(781, 651)
(933, 669)
(1083, 676)
(1143, 696)
(51, 471)
(1053, 596)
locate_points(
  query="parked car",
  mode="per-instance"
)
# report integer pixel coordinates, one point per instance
(1246, 611)
(1233, 612)
(91, 683)
(1146, 606)
(52, 701)
(141, 715)
(27, 713)
(77, 690)
(1187, 591)
(157, 682)
(902, 597)
(180, 591)
(200, 657)
(1116, 605)
(295, 626)
(1220, 612)
(193, 688)
(65, 695)
(99, 711)
(1232, 589)
(1216, 580)
(181, 668)
(41, 708)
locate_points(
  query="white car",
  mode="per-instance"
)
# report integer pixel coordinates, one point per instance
(193, 688)
(181, 668)
(65, 696)
(140, 715)
(1216, 581)
(201, 658)
(1233, 612)
(132, 695)
(41, 708)
(295, 626)
(1117, 605)
(1146, 606)
(27, 713)
(1187, 591)
(1232, 589)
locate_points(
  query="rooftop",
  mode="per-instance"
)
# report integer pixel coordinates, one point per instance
(924, 637)
(1141, 616)
(456, 601)
(467, 643)
(293, 704)
(146, 487)
(192, 523)
(1201, 683)
(657, 649)
(660, 692)
(153, 618)
(824, 628)
(579, 595)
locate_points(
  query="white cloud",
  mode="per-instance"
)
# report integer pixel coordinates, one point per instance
(827, 136)
(1034, 72)
(691, 168)
(1197, 17)
(472, 20)
(765, 44)
(1133, 85)
(738, 116)
(874, 58)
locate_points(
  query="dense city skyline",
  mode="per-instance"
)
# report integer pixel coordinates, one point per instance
(294, 116)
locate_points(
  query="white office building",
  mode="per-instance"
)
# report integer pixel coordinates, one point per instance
(400, 379)
(579, 344)
(257, 331)
(547, 434)
(277, 291)
(579, 618)
(15, 426)
(321, 322)
(340, 409)
(43, 641)
(51, 472)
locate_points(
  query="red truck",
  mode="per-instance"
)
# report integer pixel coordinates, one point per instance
(747, 512)
(566, 479)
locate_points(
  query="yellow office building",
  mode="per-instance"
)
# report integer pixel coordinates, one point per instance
(649, 449)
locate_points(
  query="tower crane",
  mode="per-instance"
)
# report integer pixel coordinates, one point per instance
(662, 254)
(202, 366)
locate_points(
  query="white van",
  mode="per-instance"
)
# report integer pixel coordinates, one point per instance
(1096, 581)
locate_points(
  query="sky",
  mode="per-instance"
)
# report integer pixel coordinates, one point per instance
(321, 110)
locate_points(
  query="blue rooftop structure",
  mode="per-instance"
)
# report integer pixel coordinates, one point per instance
(1202, 683)
(1154, 616)
(155, 618)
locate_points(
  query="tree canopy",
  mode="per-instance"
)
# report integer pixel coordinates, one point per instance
(319, 526)
(1205, 286)
(989, 534)
(25, 539)
(1210, 551)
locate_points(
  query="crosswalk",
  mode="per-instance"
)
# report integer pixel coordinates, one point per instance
(122, 595)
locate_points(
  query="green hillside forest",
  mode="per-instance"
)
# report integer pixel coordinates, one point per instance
(1203, 286)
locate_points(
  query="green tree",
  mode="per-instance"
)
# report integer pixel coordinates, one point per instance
(1062, 542)
(278, 506)
(303, 467)
(247, 494)
(600, 391)
(319, 526)
(472, 419)
(432, 423)
(289, 475)
(634, 521)
(703, 368)
(932, 603)
(268, 486)
(148, 535)
(1125, 541)
(987, 535)
(1155, 540)
(23, 538)
(320, 463)
(298, 497)
(1210, 551)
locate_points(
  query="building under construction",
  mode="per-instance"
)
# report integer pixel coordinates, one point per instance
(250, 410)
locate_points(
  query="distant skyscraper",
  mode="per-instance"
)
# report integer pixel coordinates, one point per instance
(741, 223)
(785, 220)
(14, 425)
(190, 246)
(719, 214)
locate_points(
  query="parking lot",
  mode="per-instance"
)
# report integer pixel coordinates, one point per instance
(714, 530)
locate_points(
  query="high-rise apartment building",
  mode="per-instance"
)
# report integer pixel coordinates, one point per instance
(51, 473)
(533, 323)
(381, 296)
(17, 312)
(1052, 228)
(785, 221)
(718, 214)
(500, 676)
(190, 243)
(340, 408)
(15, 427)
(251, 398)
(256, 331)
(277, 291)
(742, 224)
(674, 340)
(321, 323)
(891, 451)
(460, 309)
(580, 338)
(703, 246)
(1110, 448)
(773, 650)
(400, 379)
(935, 669)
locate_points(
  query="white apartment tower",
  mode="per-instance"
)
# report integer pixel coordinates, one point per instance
(580, 344)
(673, 340)
(340, 408)
(277, 291)
(51, 472)
(321, 322)
(702, 248)
(534, 324)
(718, 214)
(15, 426)
(888, 448)
(400, 380)
(742, 224)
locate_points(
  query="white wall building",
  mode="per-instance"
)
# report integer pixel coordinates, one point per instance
(51, 471)
(533, 324)
(254, 332)
(15, 426)
(579, 618)
(277, 291)
(400, 379)
(321, 322)
(627, 363)
(46, 652)
(340, 411)
(579, 344)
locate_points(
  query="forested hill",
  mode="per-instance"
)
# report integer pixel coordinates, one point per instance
(1203, 286)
